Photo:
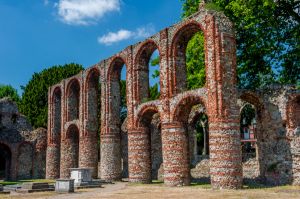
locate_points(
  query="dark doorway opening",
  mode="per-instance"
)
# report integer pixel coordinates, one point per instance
(5, 162)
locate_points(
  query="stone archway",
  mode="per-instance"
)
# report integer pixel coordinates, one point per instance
(5, 162)
(69, 151)
(89, 141)
(142, 69)
(149, 153)
(54, 136)
(73, 100)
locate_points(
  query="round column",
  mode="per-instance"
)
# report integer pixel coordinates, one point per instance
(52, 161)
(225, 156)
(175, 155)
(139, 156)
(111, 156)
(88, 152)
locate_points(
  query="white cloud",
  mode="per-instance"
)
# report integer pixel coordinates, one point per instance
(121, 35)
(113, 37)
(85, 12)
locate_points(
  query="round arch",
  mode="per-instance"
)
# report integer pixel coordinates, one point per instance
(179, 43)
(115, 67)
(145, 114)
(141, 63)
(73, 99)
(183, 108)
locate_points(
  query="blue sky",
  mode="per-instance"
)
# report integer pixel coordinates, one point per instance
(36, 34)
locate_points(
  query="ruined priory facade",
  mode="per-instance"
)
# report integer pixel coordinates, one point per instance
(22, 149)
(73, 121)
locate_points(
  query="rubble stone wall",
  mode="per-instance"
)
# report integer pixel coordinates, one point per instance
(26, 147)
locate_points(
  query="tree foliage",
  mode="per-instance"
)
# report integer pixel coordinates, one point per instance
(268, 39)
(195, 62)
(10, 92)
(123, 105)
(34, 103)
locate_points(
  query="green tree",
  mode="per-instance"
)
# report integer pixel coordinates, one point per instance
(34, 103)
(268, 39)
(10, 92)
(123, 105)
(195, 62)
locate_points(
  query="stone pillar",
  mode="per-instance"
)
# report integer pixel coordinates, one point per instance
(88, 152)
(175, 155)
(139, 154)
(66, 160)
(111, 156)
(52, 161)
(225, 155)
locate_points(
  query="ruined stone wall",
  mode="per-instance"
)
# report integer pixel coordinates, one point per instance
(27, 147)
(274, 163)
(218, 96)
(274, 144)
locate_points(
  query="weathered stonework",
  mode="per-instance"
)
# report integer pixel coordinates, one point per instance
(22, 150)
(73, 103)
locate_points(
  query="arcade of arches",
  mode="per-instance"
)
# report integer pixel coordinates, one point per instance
(185, 135)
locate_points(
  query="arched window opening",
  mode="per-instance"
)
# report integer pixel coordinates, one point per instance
(56, 115)
(73, 100)
(248, 129)
(93, 107)
(154, 76)
(148, 72)
(189, 58)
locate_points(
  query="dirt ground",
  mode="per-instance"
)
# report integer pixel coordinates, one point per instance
(158, 191)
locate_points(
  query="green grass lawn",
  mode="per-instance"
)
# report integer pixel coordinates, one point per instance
(4, 183)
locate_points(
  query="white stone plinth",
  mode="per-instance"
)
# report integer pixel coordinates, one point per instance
(64, 185)
(81, 175)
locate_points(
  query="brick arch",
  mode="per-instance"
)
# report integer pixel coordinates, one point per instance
(54, 137)
(146, 113)
(183, 107)
(114, 68)
(73, 99)
(54, 134)
(177, 52)
(193, 118)
(141, 64)
(70, 151)
(254, 99)
(70, 130)
(92, 90)
(149, 152)
(89, 141)
(293, 112)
